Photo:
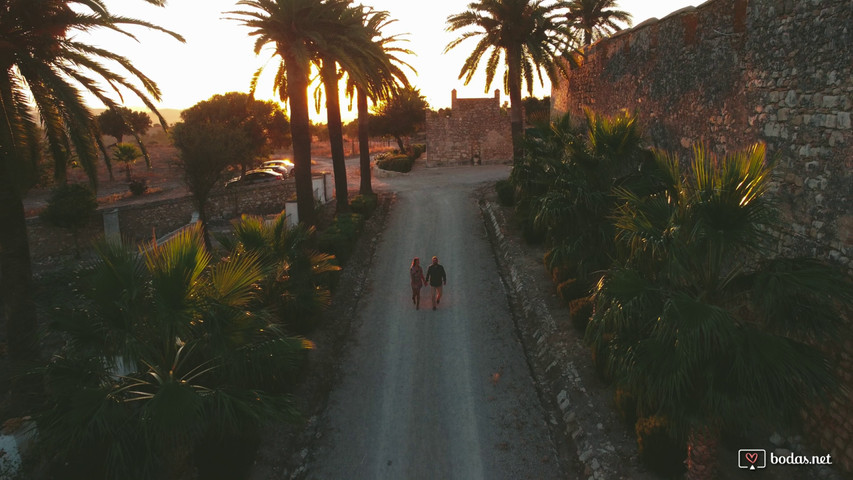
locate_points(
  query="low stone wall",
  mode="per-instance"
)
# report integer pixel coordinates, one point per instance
(143, 221)
(49, 241)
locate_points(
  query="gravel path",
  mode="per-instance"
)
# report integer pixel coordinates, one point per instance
(434, 394)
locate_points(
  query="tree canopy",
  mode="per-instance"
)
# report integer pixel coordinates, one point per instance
(225, 130)
(401, 115)
(263, 124)
(120, 121)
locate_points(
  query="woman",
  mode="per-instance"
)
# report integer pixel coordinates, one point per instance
(417, 275)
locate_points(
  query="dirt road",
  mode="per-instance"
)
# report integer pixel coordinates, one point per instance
(434, 394)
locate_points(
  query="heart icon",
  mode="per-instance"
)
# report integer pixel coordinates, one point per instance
(751, 457)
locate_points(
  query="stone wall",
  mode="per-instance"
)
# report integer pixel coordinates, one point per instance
(473, 131)
(730, 73)
(143, 221)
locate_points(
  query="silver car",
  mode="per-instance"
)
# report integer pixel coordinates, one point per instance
(258, 175)
(283, 165)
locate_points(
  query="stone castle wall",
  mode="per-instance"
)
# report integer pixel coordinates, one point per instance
(730, 73)
(474, 131)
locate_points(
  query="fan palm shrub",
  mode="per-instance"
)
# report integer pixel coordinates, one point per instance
(700, 322)
(128, 154)
(296, 279)
(168, 349)
(364, 204)
(547, 147)
(575, 211)
(564, 188)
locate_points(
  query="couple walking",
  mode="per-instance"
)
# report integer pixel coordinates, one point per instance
(435, 276)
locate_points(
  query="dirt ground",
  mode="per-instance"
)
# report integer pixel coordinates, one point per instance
(164, 176)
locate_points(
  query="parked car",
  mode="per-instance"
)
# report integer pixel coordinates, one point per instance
(283, 165)
(258, 175)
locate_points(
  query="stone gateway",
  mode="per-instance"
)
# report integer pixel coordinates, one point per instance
(475, 131)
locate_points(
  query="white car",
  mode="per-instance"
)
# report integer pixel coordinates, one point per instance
(285, 166)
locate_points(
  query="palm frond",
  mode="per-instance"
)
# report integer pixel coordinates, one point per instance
(796, 297)
(234, 282)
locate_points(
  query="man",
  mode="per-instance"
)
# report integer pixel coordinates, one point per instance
(436, 277)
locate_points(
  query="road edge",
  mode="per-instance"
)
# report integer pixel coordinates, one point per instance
(560, 386)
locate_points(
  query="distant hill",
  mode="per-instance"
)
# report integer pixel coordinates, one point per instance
(171, 115)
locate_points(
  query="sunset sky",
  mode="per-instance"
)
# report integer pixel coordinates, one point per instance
(218, 56)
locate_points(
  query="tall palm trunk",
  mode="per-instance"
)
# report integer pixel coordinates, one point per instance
(366, 187)
(703, 445)
(19, 310)
(203, 219)
(336, 133)
(300, 132)
(515, 115)
(400, 146)
(15, 278)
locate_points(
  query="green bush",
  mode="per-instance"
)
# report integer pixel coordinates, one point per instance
(146, 374)
(532, 234)
(559, 265)
(580, 311)
(571, 289)
(562, 273)
(364, 204)
(658, 450)
(70, 206)
(506, 192)
(395, 163)
(350, 224)
(339, 238)
(416, 150)
(138, 186)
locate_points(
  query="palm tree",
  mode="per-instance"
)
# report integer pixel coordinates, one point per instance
(526, 34)
(169, 348)
(390, 78)
(352, 52)
(596, 18)
(44, 67)
(126, 153)
(295, 29)
(699, 323)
